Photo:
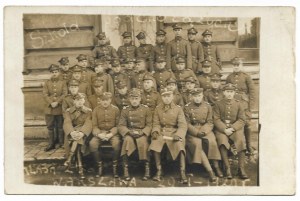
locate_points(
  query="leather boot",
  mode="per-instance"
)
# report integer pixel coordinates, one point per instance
(147, 171)
(79, 161)
(241, 171)
(125, 168)
(100, 169)
(115, 169)
(61, 136)
(212, 177)
(80, 172)
(182, 169)
(217, 169)
(158, 174)
(51, 144)
(248, 140)
(228, 173)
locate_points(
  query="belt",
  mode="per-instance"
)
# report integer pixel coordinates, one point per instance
(169, 127)
(197, 124)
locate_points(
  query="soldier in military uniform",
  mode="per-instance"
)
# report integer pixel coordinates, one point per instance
(215, 93)
(161, 74)
(87, 72)
(118, 76)
(169, 128)
(77, 127)
(182, 73)
(160, 49)
(127, 50)
(105, 120)
(65, 72)
(189, 85)
(145, 51)
(129, 70)
(96, 97)
(211, 52)
(200, 125)
(178, 47)
(229, 121)
(135, 126)
(84, 86)
(150, 97)
(54, 91)
(121, 99)
(197, 50)
(245, 92)
(141, 72)
(106, 79)
(204, 78)
(177, 97)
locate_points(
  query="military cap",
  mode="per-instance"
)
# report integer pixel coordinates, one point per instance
(115, 63)
(180, 60)
(79, 96)
(197, 91)
(165, 91)
(128, 60)
(81, 57)
(97, 83)
(229, 86)
(135, 92)
(126, 34)
(192, 31)
(121, 85)
(139, 60)
(161, 33)
(101, 35)
(216, 77)
(64, 60)
(99, 62)
(73, 82)
(171, 80)
(160, 59)
(148, 76)
(190, 79)
(53, 67)
(207, 32)
(176, 26)
(141, 35)
(106, 96)
(206, 63)
(76, 68)
(236, 61)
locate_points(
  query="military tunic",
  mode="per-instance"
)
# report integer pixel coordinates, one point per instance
(212, 52)
(131, 74)
(213, 95)
(151, 99)
(94, 100)
(229, 113)
(178, 100)
(197, 55)
(68, 102)
(182, 75)
(160, 50)
(121, 101)
(85, 87)
(87, 75)
(135, 119)
(120, 77)
(205, 81)
(146, 52)
(139, 80)
(161, 77)
(187, 96)
(199, 119)
(65, 75)
(105, 51)
(169, 122)
(127, 51)
(108, 84)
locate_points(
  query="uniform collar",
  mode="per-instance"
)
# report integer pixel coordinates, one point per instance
(170, 106)
(54, 79)
(178, 38)
(135, 108)
(163, 43)
(228, 102)
(161, 70)
(207, 44)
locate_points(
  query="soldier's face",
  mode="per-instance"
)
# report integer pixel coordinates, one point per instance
(207, 38)
(105, 103)
(135, 101)
(123, 90)
(116, 69)
(180, 66)
(148, 84)
(206, 70)
(79, 102)
(127, 40)
(77, 75)
(172, 86)
(98, 90)
(167, 98)
(192, 36)
(190, 85)
(140, 66)
(215, 84)
(55, 73)
(160, 38)
(65, 67)
(73, 89)
(99, 69)
(142, 41)
(161, 65)
(177, 32)
(237, 67)
(130, 65)
(102, 41)
(83, 63)
(198, 98)
(229, 94)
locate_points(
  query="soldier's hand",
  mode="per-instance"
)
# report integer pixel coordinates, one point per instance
(74, 135)
(54, 104)
(200, 134)
(101, 136)
(176, 138)
(80, 135)
(108, 136)
(228, 131)
(154, 135)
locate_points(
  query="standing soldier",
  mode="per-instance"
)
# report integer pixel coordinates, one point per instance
(178, 47)
(127, 50)
(77, 127)
(215, 93)
(118, 76)
(177, 97)
(204, 78)
(100, 74)
(87, 72)
(160, 49)
(130, 70)
(229, 121)
(150, 97)
(54, 91)
(200, 124)
(105, 120)
(197, 51)
(182, 73)
(161, 74)
(84, 86)
(245, 92)
(211, 52)
(96, 97)
(189, 85)
(169, 128)
(121, 99)
(65, 72)
(135, 126)
(141, 72)
(145, 51)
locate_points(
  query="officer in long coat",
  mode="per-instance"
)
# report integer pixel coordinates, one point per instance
(54, 91)
(84, 85)
(77, 127)
(200, 125)
(105, 121)
(127, 50)
(178, 47)
(215, 93)
(160, 49)
(121, 99)
(205, 78)
(135, 126)
(65, 72)
(245, 92)
(169, 128)
(145, 51)
(229, 120)
(161, 74)
(197, 50)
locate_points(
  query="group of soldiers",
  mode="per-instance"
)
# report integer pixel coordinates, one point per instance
(165, 100)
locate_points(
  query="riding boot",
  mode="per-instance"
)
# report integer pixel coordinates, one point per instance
(79, 160)
(217, 169)
(158, 174)
(182, 168)
(248, 139)
(61, 138)
(51, 144)
(115, 169)
(125, 168)
(224, 154)
(147, 171)
(241, 172)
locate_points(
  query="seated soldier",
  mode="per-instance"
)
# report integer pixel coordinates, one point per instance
(105, 120)
(169, 128)
(200, 124)
(215, 93)
(229, 121)
(96, 97)
(135, 126)
(99, 68)
(77, 127)
(189, 85)
(177, 97)
(121, 98)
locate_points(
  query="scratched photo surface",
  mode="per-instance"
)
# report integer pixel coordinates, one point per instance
(50, 37)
